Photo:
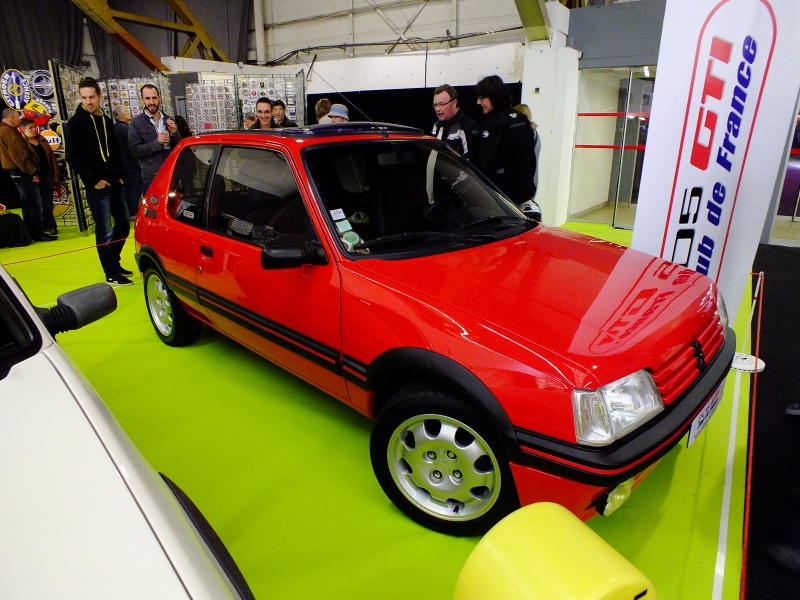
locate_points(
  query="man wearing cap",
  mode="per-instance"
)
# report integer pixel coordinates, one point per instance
(339, 114)
(460, 132)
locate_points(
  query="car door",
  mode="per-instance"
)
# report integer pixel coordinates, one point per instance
(290, 315)
(178, 236)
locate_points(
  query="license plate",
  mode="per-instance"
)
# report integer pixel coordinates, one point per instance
(704, 416)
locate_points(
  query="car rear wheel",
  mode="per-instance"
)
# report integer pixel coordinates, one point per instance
(170, 320)
(440, 464)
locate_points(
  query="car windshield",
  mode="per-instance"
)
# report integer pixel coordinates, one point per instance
(407, 196)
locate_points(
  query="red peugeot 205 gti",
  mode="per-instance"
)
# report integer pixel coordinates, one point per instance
(503, 361)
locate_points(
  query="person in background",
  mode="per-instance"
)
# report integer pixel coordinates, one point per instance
(263, 114)
(279, 118)
(251, 119)
(322, 108)
(183, 127)
(93, 153)
(507, 154)
(21, 163)
(131, 172)
(339, 114)
(453, 126)
(537, 140)
(48, 172)
(152, 135)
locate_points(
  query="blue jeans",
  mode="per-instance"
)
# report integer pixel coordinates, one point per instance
(132, 186)
(31, 203)
(46, 186)
(108, 204)
(146, 181)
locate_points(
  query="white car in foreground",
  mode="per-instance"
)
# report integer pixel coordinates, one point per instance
(82, 514)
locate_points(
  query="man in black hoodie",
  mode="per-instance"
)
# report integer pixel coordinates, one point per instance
(93, 152)
(507, 145)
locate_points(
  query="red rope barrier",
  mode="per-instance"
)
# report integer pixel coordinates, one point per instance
(20, 262)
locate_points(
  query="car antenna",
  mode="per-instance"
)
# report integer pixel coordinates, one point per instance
(333, 87)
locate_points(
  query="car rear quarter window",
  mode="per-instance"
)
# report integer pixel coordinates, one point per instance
(187, 187)
(255, 198)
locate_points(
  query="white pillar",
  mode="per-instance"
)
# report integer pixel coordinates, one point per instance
(258, 17)
(550, 84)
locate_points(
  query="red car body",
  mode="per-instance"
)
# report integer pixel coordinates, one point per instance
(511, 325)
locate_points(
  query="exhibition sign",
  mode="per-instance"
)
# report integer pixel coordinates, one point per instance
(724, 106)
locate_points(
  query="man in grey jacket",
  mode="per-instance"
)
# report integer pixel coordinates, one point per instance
(152, 135)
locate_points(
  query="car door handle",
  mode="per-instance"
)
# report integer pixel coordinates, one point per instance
(207, 250)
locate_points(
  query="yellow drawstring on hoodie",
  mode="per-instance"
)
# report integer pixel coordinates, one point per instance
(97, 133)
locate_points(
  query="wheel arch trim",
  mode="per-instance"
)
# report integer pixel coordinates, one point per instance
(450, 373)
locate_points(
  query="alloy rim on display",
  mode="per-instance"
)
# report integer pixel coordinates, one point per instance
(160, 306)
(444, 467)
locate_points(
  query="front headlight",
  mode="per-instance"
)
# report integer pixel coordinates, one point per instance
(604, 415)
(722, 311)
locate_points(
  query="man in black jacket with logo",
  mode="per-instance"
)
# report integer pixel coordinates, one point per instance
(92, 151)
(459, 131)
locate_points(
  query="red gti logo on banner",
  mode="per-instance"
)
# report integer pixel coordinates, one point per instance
(730, 69)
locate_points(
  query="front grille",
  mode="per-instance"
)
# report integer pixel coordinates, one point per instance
(681, 370)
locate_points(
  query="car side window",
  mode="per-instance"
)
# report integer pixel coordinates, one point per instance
(187, 189)
(255, 198)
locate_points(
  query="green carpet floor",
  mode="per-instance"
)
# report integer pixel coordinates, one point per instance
(282, 471)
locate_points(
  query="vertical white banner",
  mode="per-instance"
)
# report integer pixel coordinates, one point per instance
(723, 106)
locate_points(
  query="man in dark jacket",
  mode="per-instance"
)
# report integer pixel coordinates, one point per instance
(279, 118)
(152, 135)
(263, 114)
(507, 154)
(93, 152)
(459, 131)
(131, 173)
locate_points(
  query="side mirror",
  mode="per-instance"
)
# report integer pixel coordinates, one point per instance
(287, 257)
(78, 308)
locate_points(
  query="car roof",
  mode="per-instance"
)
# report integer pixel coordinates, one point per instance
(347, 131)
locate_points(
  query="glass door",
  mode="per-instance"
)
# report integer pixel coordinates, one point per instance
(613, 116)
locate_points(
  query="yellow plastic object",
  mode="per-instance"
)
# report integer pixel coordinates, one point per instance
(544, 552)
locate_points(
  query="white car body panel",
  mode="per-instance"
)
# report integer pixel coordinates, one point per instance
(82, 513)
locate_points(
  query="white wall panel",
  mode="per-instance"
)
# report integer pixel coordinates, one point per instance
(456, 66)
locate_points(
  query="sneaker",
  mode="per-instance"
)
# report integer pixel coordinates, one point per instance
(118, 280)
(125, 272)
(46, 237)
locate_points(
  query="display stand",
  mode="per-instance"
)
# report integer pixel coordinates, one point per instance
(218, 103)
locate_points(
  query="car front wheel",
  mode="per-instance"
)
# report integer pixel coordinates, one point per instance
(172, 323)
(440, 464)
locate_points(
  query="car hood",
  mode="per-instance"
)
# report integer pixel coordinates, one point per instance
(598, 306)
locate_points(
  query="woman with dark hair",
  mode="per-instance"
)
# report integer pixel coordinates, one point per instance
(507, 154)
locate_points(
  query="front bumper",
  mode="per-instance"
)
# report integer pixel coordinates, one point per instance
(582, 472)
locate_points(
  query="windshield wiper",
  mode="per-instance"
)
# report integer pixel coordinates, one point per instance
(497, 221)
(416, 235)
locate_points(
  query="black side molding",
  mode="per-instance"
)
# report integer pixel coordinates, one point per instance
(212, 540)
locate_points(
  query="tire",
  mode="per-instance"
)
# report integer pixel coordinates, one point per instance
(440, 464)
(172, 323)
